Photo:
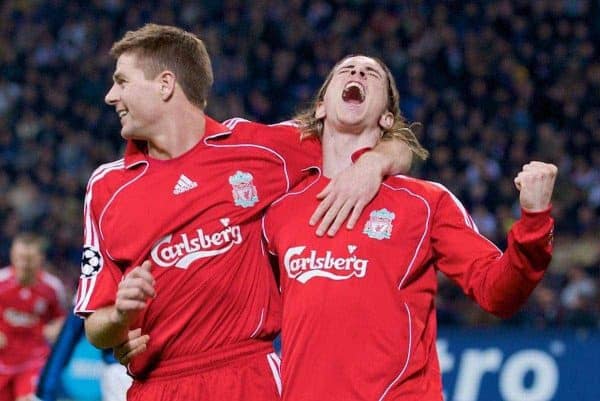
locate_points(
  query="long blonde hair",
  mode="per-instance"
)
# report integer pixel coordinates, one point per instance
(311, 126)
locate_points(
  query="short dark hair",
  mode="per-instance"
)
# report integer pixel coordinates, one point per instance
(163, 47)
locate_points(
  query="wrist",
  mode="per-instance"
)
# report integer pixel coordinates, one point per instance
(368, 158)
(117, 317)
(358, 153)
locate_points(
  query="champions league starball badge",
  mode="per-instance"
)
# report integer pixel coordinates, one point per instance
(91, 262)
(379, 225)
(243, 189)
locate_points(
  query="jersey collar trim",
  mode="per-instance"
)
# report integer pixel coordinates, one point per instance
(136, 152)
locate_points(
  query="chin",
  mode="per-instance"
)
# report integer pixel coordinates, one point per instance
(127, 134)
(354, 112)
(352, 120)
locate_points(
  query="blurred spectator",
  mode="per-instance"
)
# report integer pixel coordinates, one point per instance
(578, 298)
(32, 309)
(494, 84)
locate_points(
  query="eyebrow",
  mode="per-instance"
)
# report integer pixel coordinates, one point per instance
(368, 68)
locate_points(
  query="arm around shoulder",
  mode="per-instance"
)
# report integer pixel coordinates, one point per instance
(390, 157)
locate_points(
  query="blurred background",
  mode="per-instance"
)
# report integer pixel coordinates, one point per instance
(494, 84)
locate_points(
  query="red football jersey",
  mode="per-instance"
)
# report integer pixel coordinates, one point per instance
(197, 218)
(24, 311)
(358, 309)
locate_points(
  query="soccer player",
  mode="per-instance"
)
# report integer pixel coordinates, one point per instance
(358, 309)
(32, 309)
(173, 231)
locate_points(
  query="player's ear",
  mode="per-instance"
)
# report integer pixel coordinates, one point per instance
(386, 121)
(320, 111)
(166, 81)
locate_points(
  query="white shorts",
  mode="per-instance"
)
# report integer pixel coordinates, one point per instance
(114, 382)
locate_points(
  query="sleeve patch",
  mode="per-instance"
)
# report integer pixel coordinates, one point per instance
(91, 262)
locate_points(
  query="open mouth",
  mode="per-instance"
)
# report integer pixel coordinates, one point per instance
(353, 93)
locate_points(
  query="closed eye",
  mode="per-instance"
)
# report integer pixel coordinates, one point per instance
(370, 71)
(373, 72)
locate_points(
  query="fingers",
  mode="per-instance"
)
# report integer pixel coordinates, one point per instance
(124, 305)
(333, 219)
(136, 345)
(346, 195)
(137, 288)
(356, 212)
(326, 191)
(534, 172)
(328, 218)
(534, 165)
(536, 183)
(145, 267)
(143, 272)
(139, 283)
(518, 181)
(133, 292)
(323, 207)
(135, 333)
(340, 218)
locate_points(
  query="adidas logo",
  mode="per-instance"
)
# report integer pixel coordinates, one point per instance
(184, 184)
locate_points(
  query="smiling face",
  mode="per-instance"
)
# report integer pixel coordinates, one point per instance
(136, 99)
(356, 96)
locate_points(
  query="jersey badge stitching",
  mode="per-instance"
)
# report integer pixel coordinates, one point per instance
(379, 226)
(243, 189)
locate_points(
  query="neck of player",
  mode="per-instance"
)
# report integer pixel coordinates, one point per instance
(339, 145)
(179, 132)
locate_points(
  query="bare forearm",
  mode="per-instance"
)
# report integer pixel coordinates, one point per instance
(391, 156)
(104, 329)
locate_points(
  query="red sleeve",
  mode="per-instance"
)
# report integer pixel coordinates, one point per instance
(268, 229)
(100, 276)
(284, 140)
(499, 282)
(298, 154)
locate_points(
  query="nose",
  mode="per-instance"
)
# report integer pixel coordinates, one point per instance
(358, 71)
(111, 97)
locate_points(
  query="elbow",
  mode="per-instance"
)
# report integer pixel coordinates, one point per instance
(507, 306)
(91, 333)
(101, 335)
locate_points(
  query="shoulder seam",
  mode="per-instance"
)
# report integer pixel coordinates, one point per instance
(232, 122)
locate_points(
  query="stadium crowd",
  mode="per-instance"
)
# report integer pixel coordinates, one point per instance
(494, 84)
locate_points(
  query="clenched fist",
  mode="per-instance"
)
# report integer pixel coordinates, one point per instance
(536, 183)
